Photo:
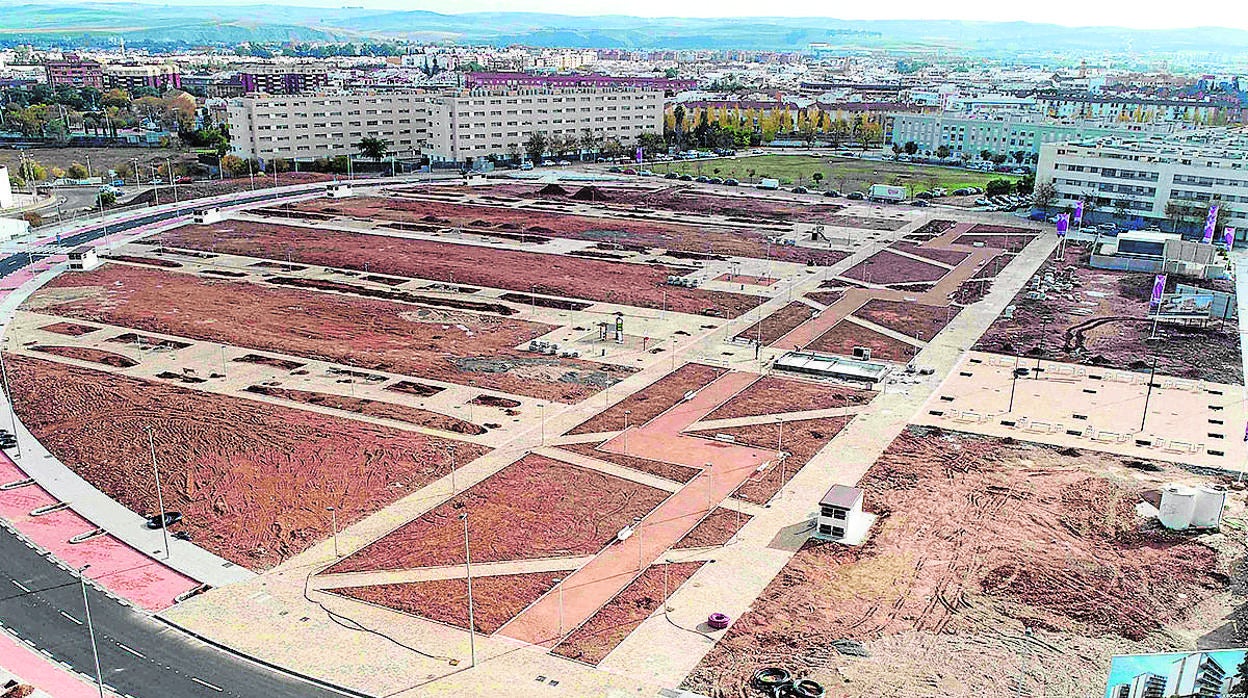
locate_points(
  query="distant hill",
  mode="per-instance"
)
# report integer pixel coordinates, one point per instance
(195, 24)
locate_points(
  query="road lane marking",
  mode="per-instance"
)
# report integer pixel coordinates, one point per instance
(19, 585)
(205, 684)
(71, 618)
(131, 651)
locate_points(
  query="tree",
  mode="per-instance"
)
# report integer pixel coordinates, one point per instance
(106, 198)
(1043, 195)
(373, 148)
(985, 154)
(513, 153)
(77, 171)
(942, 151)
(535, 146)
(999, 158)
(590, 141)
(910, 147)
(1241, 688)
(1025, 184)
(896, 151)
(651, 143)
(998, 187)
(818, 177)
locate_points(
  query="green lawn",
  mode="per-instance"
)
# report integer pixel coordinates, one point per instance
(845, 174)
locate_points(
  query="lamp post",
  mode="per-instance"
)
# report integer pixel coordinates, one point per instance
(1044, 323)
(95, 651)
(4, 373)
(333, 517)
(1152, 373)
(560, 582)
(160, 497)
(626, 413)
(472, 632)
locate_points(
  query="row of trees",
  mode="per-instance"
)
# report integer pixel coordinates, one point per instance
(588, 143)
(705, 127)
(45, 113)
(944, 152)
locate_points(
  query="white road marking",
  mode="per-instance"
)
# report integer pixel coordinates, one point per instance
(21, 586)
(205, 684)
(134, 652)
(71, 618)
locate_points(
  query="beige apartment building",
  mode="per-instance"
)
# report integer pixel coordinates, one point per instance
(474, 124)
(306, 127)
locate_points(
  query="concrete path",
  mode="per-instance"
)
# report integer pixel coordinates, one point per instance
(427, 574)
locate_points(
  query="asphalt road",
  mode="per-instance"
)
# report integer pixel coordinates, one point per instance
(139, 656)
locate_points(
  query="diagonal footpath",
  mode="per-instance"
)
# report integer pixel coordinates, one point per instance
(724, 466)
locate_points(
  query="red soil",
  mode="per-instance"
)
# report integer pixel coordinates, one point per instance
(496, 599)
(494, 401)
(827, 298)
(772, 395)
(619, 617)
(98, 356)
(149, 261)
(651, 401)
(417, 389)
(801, 439)
(69, 329)
(745, 279)
(907, 317)
(272, 361)
(671, 471)
(372, 408)
(950, 257)
(886, 268)
(977, 536)
(716, 529)
(533, 508)
(253, 480)
(371, 334)
(641, 285)
(845, 335)
(1013, 243)
(778, 324)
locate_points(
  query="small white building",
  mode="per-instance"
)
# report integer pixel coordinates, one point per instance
(339, 190)
(6, 191)
(841, 517)
(206, 216)
(83, 258)
(13, 228)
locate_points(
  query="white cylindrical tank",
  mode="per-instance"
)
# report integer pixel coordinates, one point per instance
(1178, 502)
(1209, 502)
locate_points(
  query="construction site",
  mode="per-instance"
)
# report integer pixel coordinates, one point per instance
(604, 438)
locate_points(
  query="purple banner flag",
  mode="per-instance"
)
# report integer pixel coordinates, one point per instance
(1078, 214)
(1063, 224)
(1211, 222)
(1159, 289)
(1228, 237)
(640, 155)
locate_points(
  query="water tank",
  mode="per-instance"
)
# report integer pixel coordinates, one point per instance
(1209, 502)
(1178, 502)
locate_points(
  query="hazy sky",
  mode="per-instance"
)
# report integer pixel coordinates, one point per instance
(1140, 14)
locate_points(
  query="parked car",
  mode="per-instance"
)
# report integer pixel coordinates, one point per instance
(686, 178)
(702, 179)
(671, 175)
(614, 169)
(563, 163)
(630, 171)
(170, 518)
(919, 202)
(831, 193)
(118, 183)
(730, 182)
(183, 180)
(855, 195)
(716, 180)
(800, 190)
(526, 165)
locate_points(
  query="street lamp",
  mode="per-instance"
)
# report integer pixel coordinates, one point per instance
(626, 413)
(95, 651)
(560, 582)
(333, 517)
(160, 498)
(472, 632)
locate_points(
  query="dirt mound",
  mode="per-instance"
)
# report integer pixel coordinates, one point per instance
(552, 190)
(591, 193)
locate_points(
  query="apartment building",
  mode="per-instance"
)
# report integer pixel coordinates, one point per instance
(471, 124)
(305, 127)
(72, 70)
(1005, 134)
(131, 77)
(1141, 178)
(283, 78)
(1086, 105)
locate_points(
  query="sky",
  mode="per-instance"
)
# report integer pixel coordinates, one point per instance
(1117, 13)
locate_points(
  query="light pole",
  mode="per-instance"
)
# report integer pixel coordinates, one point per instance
(451, 450)
(542, 408)
(155, 184)
(626, 413)
(1152, 373)
(95, 651)
(160, 497)
(333, 518)
(560, 582)
(172, 178)
(641, 544)
(4, 373)
(1044, 323)
(666, 564)
(472, 632)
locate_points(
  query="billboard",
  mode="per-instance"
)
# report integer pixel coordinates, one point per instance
(1207, 673)
(1183, 305)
